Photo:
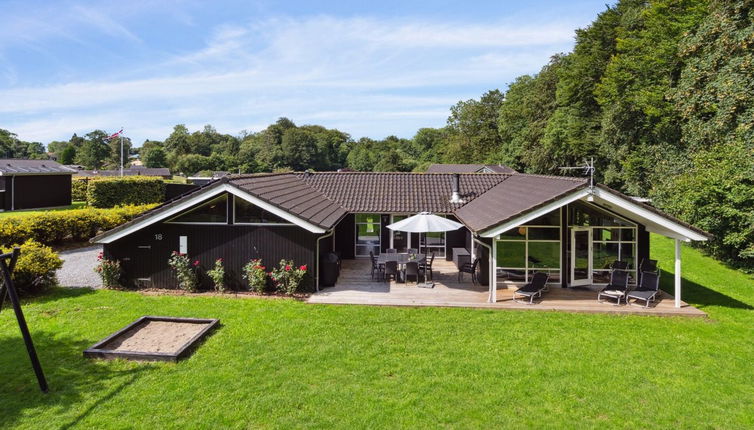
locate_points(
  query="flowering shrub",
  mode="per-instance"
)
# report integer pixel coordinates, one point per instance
(287, 278)
(185, 271)
(109, 271)
(217, 274)
(254, 272)
(35, 268)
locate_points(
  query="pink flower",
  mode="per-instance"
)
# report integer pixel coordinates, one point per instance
(287, 268)
(302, 268)
(196, 263)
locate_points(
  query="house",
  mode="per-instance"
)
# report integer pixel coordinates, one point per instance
(469, 168)
(29, 184)
(162, 172)
(515, 223)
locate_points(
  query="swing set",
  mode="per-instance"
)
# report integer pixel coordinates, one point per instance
(7, 264)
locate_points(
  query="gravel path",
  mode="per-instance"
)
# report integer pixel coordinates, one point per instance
(78, 267)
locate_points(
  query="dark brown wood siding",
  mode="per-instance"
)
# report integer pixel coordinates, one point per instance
(144, 254)
(42, 191)
(345, 237)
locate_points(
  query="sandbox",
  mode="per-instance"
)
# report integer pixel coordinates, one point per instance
(153, 338)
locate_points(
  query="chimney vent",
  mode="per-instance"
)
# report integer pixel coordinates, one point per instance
(455, 197)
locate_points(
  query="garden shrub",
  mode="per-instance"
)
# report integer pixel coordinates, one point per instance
(54, 227)
(35, 268)
(129, 190)
(287, 277)
(217, 274)
(78, 189)
(185, 271)
(254, 273)
(109, 271)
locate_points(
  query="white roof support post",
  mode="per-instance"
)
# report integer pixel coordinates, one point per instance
(677, 273)
(493, 272)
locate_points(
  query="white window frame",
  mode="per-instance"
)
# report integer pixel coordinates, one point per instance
(233, 210)
(526, 241)
(356, 233)
(227, 219)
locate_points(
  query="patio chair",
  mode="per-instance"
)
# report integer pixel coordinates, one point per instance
(469, 268)
(412, 251)
(648, 289)
(619, 265)
(533, 289)
(412, 269)
(617, 288)
(391, 270)
(648, 265)
(391, 251)
(375, 266)
(427, 267)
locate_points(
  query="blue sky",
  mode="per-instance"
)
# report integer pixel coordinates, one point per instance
(369, 68)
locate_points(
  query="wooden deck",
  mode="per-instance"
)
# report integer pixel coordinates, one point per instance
(355, 287)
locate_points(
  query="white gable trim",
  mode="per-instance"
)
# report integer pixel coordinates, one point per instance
(203, 196)
(515, 222)
(652, 221)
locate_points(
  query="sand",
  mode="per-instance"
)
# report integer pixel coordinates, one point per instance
(156, 336)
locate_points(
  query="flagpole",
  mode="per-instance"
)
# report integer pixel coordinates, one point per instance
(121, 153)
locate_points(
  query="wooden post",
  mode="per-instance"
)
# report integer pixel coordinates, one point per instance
(677, 273)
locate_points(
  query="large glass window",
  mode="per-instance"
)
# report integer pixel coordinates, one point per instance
(530, 248)
(401, 239)
(248, 213)
(612, 244)
(212, 211)
(367, 234)
(581, 214)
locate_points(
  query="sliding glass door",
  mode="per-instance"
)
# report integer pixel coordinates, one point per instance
(368, 228)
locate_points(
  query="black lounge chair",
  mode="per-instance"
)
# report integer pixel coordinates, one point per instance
(378, 267)
(647, 290)
(617, 288)
(427, 267)
(648, 265)
(619, 265)
(469, 268)
(533, 289)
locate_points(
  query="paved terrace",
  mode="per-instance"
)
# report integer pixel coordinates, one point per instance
(355, 287)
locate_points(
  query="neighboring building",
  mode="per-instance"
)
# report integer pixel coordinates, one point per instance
(515, 223)
(469, 168)
(204, 180)
(162, 172)
(29, 184)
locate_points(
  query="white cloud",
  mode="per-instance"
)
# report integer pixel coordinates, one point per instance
(370, 76)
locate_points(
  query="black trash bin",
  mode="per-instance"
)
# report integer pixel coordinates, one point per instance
(328, 269)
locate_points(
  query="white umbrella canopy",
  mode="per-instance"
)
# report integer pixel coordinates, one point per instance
(425, 222)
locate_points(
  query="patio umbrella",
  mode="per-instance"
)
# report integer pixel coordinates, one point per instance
(425, 222)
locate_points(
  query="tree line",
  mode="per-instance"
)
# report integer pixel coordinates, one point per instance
(659, 92)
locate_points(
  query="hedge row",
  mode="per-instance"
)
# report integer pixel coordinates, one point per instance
(78, 189)
(129, 190)
(35, 268)
(57, 226)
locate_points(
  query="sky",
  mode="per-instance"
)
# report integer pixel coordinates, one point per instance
(369, 68)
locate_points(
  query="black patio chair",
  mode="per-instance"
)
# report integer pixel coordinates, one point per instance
(648, 265)
(533, 289)
(619, 265)
(392, 251)
(617, 288)
(648, 289)
(378, 267)
(391, 270)
(427, 267)
(469, 268)
(412, 269)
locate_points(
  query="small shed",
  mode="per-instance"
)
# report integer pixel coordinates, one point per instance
(29, 184)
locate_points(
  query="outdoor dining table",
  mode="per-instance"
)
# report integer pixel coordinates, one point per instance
(401, 259)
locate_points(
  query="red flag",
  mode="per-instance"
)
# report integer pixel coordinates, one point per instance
(115, 134)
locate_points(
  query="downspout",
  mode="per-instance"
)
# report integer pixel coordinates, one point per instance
(493, 275)
(316, 280)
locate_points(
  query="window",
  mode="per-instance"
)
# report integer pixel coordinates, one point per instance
(367, 234)
(530, 248)
(214, 211)
(249, 213)
(581, 214)
(610, 244)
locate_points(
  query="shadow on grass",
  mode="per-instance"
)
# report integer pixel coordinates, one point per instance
(52, 295)
(696, 294)
(77, 385)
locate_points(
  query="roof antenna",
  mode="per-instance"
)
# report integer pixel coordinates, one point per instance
(588, 169)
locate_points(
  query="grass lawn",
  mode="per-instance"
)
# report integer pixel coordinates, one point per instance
(29, 212)
(283, 363)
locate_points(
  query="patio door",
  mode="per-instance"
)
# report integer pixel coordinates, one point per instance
(581, 256)
(368, 234)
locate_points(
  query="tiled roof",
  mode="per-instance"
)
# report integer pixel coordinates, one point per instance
(398, 192)
(468, 168)
(518, 194)
(11, 167)
(289, 192)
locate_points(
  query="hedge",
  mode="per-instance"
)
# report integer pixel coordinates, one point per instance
(57, 226)
(78, 189)
(35, 268)
(129, 190)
